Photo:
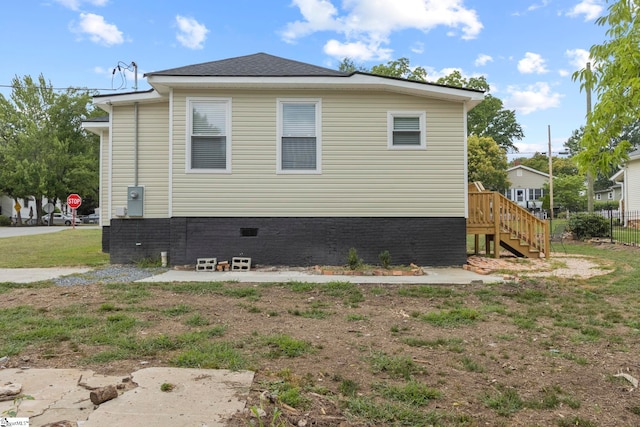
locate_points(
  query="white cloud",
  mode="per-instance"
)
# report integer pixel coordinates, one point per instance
(532, 63)
(540, 5)
(358, 51)
(482, 59)
(75, 4)
(370, 23)
(418, 48)
(191, 34)
(98, 29)
(532, 98)
(591, 9)
(578, 58)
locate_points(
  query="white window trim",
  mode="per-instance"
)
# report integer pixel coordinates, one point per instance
(187, 162)
(422, 116)
(279, 103)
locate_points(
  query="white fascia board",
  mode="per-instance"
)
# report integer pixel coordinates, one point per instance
(353, 82)
(546, 175)
(106, 101)
(95, 127)
(618, 176)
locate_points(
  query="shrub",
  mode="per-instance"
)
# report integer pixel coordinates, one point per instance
(5, 221)
(585, 226)
(385, 259)
(353, 261)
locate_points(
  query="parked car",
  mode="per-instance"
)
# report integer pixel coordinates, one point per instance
(94, 218)
(60, 219)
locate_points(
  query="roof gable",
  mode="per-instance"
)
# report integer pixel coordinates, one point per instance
(256, 65)
(527, 168)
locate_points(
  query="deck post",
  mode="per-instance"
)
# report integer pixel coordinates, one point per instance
(496, 224)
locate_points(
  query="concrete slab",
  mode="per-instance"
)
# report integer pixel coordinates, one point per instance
(433, 276)
(29, 275)
(200, 398)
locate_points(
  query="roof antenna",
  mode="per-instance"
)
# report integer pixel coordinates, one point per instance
(135, 76)
(121, 68)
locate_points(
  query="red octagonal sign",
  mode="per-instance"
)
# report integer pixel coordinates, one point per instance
(74, 201)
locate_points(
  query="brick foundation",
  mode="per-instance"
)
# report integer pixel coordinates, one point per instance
(290, 241)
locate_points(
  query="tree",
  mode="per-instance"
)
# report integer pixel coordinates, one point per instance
(568, 193)
(540, 162)
(44, 152)
(489, 118)
(400, 68)
(616, 80)
(487, 163)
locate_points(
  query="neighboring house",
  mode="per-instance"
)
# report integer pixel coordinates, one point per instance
(27, 208)
(629, 177)
(286, 163)
(526, 186)
(611, 194)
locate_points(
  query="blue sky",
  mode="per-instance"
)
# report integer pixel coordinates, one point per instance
(527, 49)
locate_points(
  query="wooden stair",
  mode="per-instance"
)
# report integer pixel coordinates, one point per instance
(506, 224)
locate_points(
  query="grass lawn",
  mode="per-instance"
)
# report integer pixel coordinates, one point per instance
(537, 351)
(67, 248)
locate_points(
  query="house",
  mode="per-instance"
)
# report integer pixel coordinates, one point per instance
(27, 208)
(526, 186)
(629, 177)
(611, 194)
(286, 163)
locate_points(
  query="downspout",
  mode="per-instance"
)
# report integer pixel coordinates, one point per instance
(135, 146)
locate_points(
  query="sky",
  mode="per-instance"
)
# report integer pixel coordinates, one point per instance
(526, 49)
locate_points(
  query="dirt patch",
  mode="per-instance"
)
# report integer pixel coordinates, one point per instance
(545, 336)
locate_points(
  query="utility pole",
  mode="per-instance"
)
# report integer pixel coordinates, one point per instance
(589, 173)
(550, 174)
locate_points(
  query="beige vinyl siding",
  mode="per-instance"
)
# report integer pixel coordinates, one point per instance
(632, 181)
(527, 180)
(360, 175)
(153, 156)
(104, 178)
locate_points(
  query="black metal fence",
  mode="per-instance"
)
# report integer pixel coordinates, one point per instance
(624, 227)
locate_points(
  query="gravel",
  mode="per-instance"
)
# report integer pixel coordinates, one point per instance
(110, 274)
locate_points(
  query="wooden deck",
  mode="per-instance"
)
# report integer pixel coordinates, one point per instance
(506, 224)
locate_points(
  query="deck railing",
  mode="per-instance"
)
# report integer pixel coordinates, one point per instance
(491, 213)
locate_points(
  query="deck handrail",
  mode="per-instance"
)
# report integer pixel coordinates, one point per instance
(507, 217)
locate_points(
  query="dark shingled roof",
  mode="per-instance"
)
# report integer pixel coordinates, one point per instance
(99, 119)
(256, 65)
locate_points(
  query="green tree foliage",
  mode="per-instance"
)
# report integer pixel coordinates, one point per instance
(489, 118)
(615, 78)
(400, 68)
(568, 193)
(487, 163)
(540, 162)
(44, 152)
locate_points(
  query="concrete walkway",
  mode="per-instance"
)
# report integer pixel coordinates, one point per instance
(199, 398)
(440, 276)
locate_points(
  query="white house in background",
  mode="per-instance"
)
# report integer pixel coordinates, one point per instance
(27, 208)
(629, 177)
(286, 163)
(526, 186)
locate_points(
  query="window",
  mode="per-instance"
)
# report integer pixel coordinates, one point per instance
(610, 195)
(299, 136)
(209, 137)
(598, 196)
(406, 130)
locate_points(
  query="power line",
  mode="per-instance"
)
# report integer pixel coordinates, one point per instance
(63, 88)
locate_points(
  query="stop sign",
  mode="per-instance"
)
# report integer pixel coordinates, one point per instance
(74, 201)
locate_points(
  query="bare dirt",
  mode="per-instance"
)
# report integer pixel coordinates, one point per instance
(507, 354)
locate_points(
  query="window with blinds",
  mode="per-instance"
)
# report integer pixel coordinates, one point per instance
(209, 145)
(406, 130)
(299, 141)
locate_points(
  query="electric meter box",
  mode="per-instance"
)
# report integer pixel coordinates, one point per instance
(135, 201)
